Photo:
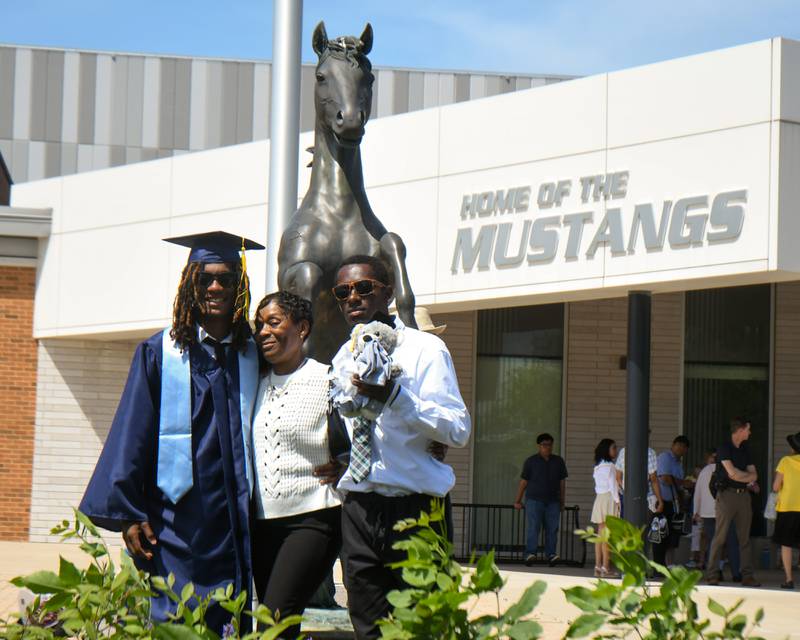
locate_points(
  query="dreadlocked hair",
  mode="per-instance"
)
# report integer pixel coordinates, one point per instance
(186, 308)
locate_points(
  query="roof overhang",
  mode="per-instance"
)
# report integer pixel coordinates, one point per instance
(16, 222)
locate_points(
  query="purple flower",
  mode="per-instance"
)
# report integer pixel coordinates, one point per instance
(228, 631)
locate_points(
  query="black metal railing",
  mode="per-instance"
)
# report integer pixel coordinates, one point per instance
(477, 528)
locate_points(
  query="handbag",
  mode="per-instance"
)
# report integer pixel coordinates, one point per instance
(659, 529)
(771, 510)
(681, 521)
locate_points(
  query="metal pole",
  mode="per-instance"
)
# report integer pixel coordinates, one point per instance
(637, 410)
(287, 26)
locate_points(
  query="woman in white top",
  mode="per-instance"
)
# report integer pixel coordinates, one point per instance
(297, 526)
(606, 503)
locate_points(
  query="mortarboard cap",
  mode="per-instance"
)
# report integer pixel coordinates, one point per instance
(214, 246)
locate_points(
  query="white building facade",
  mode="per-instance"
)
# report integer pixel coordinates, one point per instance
(528, 218)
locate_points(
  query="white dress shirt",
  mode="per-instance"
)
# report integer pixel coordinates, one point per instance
(425, 405)
(605, 480)
(703, 500)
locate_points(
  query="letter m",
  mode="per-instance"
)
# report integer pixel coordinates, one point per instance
(468, 252)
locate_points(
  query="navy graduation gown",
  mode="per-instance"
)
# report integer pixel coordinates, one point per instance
(204, 538)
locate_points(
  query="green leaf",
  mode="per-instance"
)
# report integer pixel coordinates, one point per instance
(58, 601)
(187, 592)
(525, 630)
(40, 582)
(759, 615)
(716, 608)
(84, 520)
(585, 624)
(67, 572)
(280, 627)
(581, 597)
(169, 631)
(527, 602)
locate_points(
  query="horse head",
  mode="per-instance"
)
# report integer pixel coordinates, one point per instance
(343, 92)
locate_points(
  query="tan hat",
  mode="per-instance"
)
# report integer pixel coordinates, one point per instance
(424, 322)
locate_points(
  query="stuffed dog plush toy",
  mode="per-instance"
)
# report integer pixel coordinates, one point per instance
(371, 347)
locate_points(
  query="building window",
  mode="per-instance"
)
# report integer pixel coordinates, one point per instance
(518, 393)
(727, 353)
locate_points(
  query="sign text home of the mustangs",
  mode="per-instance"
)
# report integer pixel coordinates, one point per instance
(504, 242)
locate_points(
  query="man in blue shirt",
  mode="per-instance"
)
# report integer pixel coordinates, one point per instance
(671, 482)
(543, 483)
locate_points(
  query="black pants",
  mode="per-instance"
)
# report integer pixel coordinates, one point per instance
(671, 541)
(291, 557)
(367, 538)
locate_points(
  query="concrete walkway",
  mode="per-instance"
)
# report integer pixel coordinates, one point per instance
(553, 613)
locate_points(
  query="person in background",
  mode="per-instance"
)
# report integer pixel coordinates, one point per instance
(543, 482)
(705, 516)
(787, 524)
(297, 526)
(735, 476)
(606, 502)
(671, 480)
(654, 502)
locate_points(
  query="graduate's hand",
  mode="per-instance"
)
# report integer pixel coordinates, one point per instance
(330, 472)
(375, 391)
(132, 535)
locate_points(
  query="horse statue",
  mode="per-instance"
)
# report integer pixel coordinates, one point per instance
(335, 220)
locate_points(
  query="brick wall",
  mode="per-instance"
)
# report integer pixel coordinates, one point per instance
(80, 383)
(17, 399)
(596, 385)
(786, 412)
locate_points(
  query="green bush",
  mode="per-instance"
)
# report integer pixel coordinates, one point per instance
(106, 601)
(433, 605)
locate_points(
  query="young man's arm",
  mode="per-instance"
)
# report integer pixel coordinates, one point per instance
(523, 484)
(738, 475)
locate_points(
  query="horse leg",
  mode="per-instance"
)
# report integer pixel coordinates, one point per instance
(394, 251)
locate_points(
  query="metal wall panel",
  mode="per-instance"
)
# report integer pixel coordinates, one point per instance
(70, 97)
(477, 87)
(119, 100)
(462, 82)
(38, 94)
(86, 98)
(85, 157)
(244, 107)
(166, 104)
(261, 92)
(400, 98)
(416, 90)
(150, 101)
(52, 159)
(385, 93)
(447, 88)
(431, 90)
(197, 105)
(104, 90)
(230, 91)
(54, 97)
(183, 92)
(8, 59)
(214, 105)
(135, 103)
(19, 161)
(36, 160)
(69, 158)
(117, 155)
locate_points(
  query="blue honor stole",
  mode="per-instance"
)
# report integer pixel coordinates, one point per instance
(174, 471)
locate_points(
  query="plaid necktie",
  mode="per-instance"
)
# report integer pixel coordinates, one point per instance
(361, 450)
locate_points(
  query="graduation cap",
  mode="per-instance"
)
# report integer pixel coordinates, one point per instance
(214, 246)
(219, 246)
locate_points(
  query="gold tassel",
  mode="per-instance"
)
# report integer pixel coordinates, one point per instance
(244, 290)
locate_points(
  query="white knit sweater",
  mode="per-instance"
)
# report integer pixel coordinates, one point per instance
(290, 438)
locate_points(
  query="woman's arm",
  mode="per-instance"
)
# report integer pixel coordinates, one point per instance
(777, 484)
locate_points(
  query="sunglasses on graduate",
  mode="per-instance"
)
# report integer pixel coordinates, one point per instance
(363, 288)
(226, 280)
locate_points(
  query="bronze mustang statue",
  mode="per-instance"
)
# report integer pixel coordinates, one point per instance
(335, 220)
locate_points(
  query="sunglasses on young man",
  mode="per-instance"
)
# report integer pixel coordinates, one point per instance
(365, 287)
(227, 280)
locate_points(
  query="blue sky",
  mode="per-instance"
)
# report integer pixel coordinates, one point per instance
(577, 37)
